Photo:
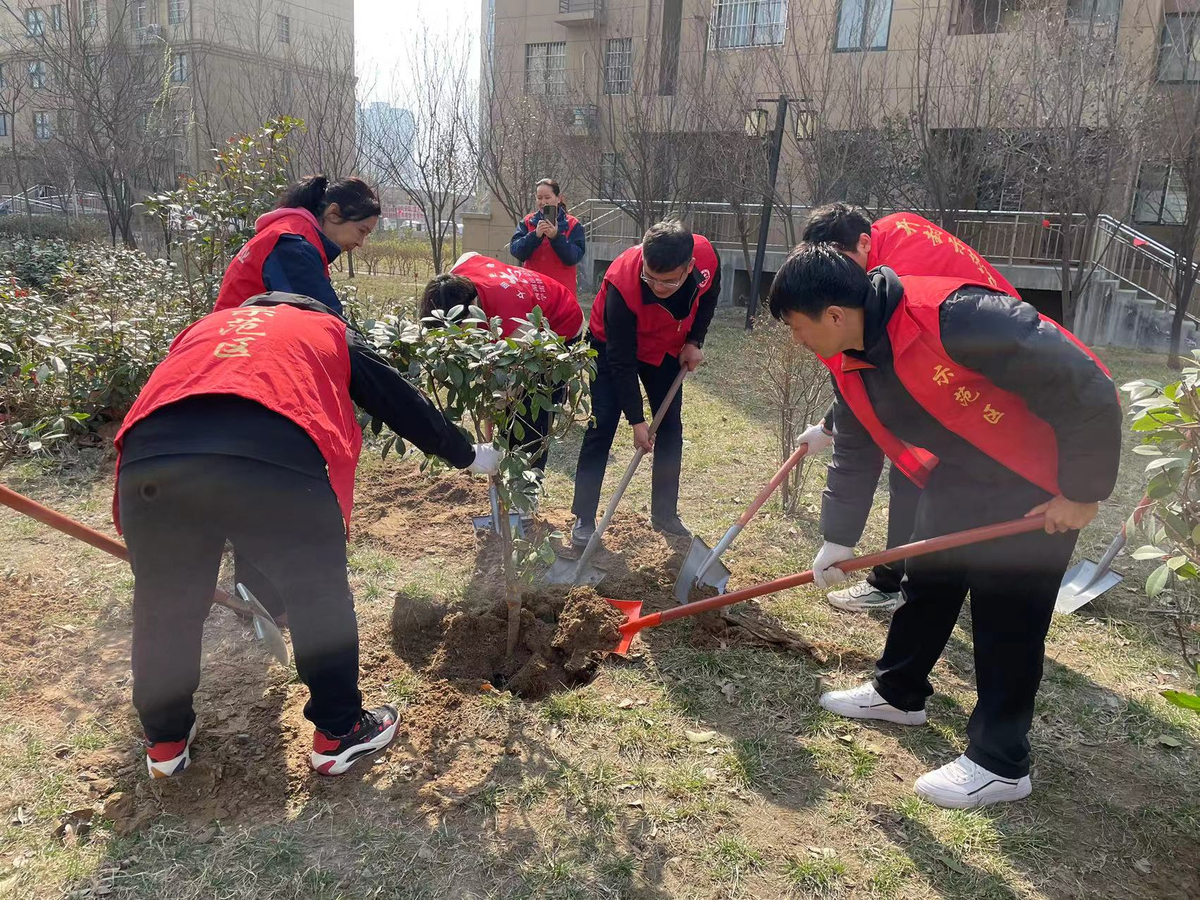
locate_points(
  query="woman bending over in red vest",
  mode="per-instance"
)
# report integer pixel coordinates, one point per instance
(315, 222)
(510, 294)
(549, 240)
(247, 432)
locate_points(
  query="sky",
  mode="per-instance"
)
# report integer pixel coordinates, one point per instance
(382, 27)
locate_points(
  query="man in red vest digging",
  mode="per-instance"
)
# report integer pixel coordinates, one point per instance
(997, 413)
(247, 431)
(907, 244)
(650, 317)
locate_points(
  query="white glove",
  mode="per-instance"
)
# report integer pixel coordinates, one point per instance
(487, 460)
(817, 438)
(825, 573)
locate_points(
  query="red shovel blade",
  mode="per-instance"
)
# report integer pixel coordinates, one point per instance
(634, 622)
(633, 612)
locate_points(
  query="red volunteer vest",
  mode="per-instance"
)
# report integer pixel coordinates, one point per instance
(292, 361)
(244, 279)
(995, 421)
(659, 334)
(512, 293)
(546, 261)
(911, 245)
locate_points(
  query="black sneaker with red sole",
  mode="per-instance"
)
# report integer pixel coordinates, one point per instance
(376, 728)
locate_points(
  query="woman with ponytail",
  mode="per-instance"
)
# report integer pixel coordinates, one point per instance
(315, 221)
(549, 240)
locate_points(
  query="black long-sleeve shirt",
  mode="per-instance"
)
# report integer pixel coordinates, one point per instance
(620, 332)
(1004, 340)
(233, 426)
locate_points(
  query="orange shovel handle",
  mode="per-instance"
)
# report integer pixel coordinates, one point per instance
(58, 521)
(895, 554)
(777, 479)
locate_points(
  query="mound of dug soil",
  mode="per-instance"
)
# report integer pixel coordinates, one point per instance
(565, 634)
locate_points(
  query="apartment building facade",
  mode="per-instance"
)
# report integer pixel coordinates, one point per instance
(187, 74)
(848, 67)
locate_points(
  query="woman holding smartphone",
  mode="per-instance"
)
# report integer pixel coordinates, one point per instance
(549, 240)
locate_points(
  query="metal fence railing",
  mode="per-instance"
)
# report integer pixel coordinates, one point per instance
(1005, 237)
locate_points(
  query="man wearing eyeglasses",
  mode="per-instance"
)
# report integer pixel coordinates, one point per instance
(650, 317)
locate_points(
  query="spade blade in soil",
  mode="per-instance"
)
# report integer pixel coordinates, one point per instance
(1083, 584)
(264, 626)
(488, 523)
(566, 571)
(716, 576)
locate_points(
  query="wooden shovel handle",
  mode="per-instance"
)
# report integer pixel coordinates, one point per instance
(66, 525)
(895, 554)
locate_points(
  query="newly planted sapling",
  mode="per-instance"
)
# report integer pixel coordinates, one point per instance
(496, 386)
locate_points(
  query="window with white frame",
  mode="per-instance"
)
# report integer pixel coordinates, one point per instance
(1179, 51)
(747, 23)
(179, 68)
(37, 74)
(90, 13)
(3, 74)
(137, 14)
(177, 11)
(56, 17)
(3, 125)
(618, 66)
(1161, 196)
(546, 68)
(35, 22)
(863, 25)
(283, 28)
(43, 130)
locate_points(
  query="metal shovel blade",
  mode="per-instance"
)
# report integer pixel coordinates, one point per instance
(716, 576)
(1083, 583)
(264, 626)
(566, 571)
(488, 523)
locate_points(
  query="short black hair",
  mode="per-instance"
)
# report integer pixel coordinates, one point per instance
(667, 246)
(837, 223)
(446, 291)
(815, 277)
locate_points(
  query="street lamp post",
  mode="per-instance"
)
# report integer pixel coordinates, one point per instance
(764, 222)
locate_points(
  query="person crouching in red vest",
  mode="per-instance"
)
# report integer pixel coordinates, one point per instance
(999, 413)
(510, 294)
(247, 431)
(650, 317)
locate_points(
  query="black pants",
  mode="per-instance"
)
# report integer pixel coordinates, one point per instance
(597, 440)
(1013, 584)
(177, 512)
(903, 496)
(536, 428)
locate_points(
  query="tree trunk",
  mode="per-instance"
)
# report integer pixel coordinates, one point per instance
(349, 263)
(512, 592)
(1184, 287)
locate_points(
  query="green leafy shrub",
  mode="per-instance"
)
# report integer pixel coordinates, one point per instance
(75, 354)
(209, 217)
(1167, 419)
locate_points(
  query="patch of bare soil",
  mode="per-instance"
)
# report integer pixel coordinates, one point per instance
(565, 634)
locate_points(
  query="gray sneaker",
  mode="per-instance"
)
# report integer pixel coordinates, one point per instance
(582, 533)
(864, 597)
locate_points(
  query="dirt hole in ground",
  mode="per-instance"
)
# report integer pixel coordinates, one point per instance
(565, 634)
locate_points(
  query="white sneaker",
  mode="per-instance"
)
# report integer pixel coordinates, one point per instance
(864, 702)
(864, 597)
(964, 784)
